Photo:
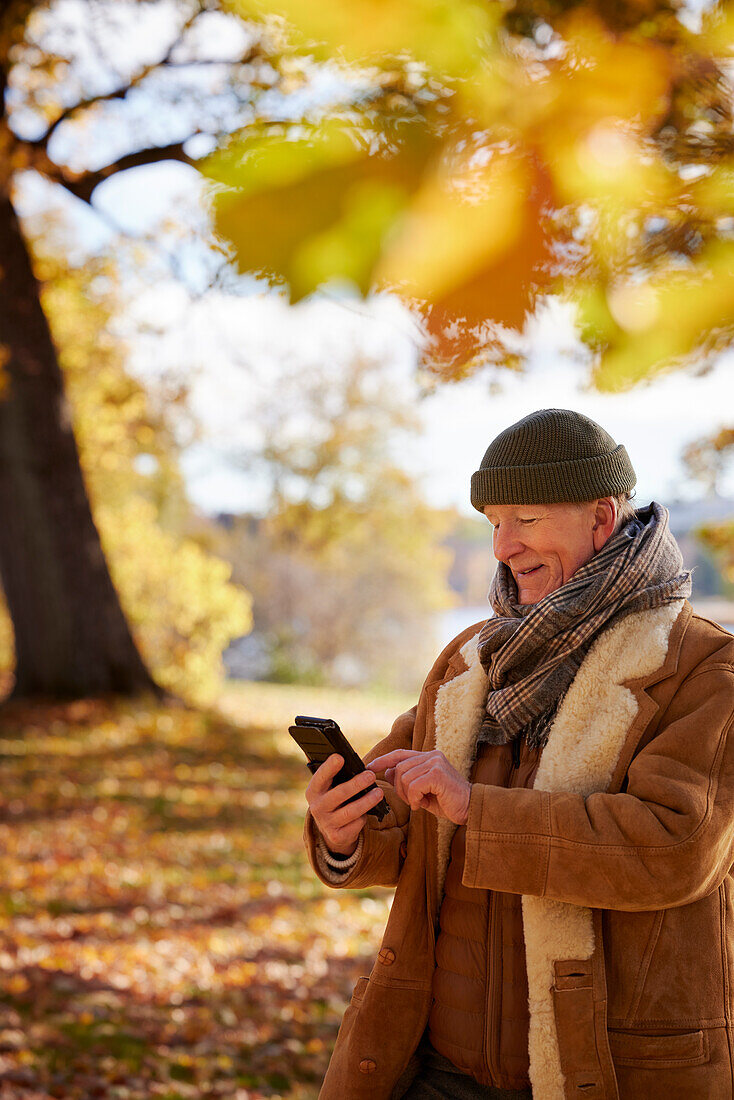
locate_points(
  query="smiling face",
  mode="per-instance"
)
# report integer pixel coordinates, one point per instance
(544, 544)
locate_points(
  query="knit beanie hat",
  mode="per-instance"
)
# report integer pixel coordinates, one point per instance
(551, 456)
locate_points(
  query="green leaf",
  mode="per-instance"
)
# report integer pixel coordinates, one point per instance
(314, 203)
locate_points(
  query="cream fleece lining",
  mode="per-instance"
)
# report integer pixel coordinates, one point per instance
(583, 747)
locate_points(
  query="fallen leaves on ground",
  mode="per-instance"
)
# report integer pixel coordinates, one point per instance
(161, 933)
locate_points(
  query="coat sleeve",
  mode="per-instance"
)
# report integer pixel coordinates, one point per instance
(382, 842)
(667, 840)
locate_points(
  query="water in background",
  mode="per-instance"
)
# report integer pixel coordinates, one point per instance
(452, 622)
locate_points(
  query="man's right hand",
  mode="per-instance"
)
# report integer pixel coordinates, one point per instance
(340, 825)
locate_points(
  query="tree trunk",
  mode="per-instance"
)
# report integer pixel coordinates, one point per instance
(71, 637)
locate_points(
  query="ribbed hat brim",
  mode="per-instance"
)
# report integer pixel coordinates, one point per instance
(554, 482)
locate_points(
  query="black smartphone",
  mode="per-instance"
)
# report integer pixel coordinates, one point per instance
(320, 738)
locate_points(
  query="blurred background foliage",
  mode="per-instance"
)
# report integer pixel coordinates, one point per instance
(479, 156)
(707, 460)
(347, 566)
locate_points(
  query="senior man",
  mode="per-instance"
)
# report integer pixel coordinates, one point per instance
(561, 814)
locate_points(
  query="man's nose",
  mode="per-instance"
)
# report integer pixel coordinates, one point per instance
(506, 543)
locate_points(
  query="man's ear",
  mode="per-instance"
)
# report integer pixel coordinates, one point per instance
(605, 518)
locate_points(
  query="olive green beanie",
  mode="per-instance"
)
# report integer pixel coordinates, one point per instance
(551, 456)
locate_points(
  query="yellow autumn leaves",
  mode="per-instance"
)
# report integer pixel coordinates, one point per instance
(477, 157)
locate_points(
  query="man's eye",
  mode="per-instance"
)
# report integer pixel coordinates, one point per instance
(533, 520)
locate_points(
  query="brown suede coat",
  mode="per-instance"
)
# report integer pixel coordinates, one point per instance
(622, 851)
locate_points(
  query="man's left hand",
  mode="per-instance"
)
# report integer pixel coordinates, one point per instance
(426, 781)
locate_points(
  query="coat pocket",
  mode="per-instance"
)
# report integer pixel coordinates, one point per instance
(683, 1048)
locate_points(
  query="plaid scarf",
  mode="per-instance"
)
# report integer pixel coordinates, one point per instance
(531, 652)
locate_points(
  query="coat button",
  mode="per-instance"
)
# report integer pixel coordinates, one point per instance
(367, 1066)
(387, 956)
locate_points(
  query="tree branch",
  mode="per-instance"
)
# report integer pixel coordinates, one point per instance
(83, 185)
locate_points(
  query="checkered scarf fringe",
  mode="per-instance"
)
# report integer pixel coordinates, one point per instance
(532, 652)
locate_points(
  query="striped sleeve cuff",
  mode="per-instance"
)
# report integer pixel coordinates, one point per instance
(332, 868)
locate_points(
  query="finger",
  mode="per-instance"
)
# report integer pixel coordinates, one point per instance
(322, 777)
(418, 792)
(347, 820)
(346, 815)
(343, 791)
(420, 786)
(406, 774)
(390, 759)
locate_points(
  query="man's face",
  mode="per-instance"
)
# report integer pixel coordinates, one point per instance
(544, 544)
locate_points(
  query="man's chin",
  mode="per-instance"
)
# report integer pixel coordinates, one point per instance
(534, 594)
(529, 592)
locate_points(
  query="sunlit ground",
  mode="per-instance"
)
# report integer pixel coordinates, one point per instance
(160, 931)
